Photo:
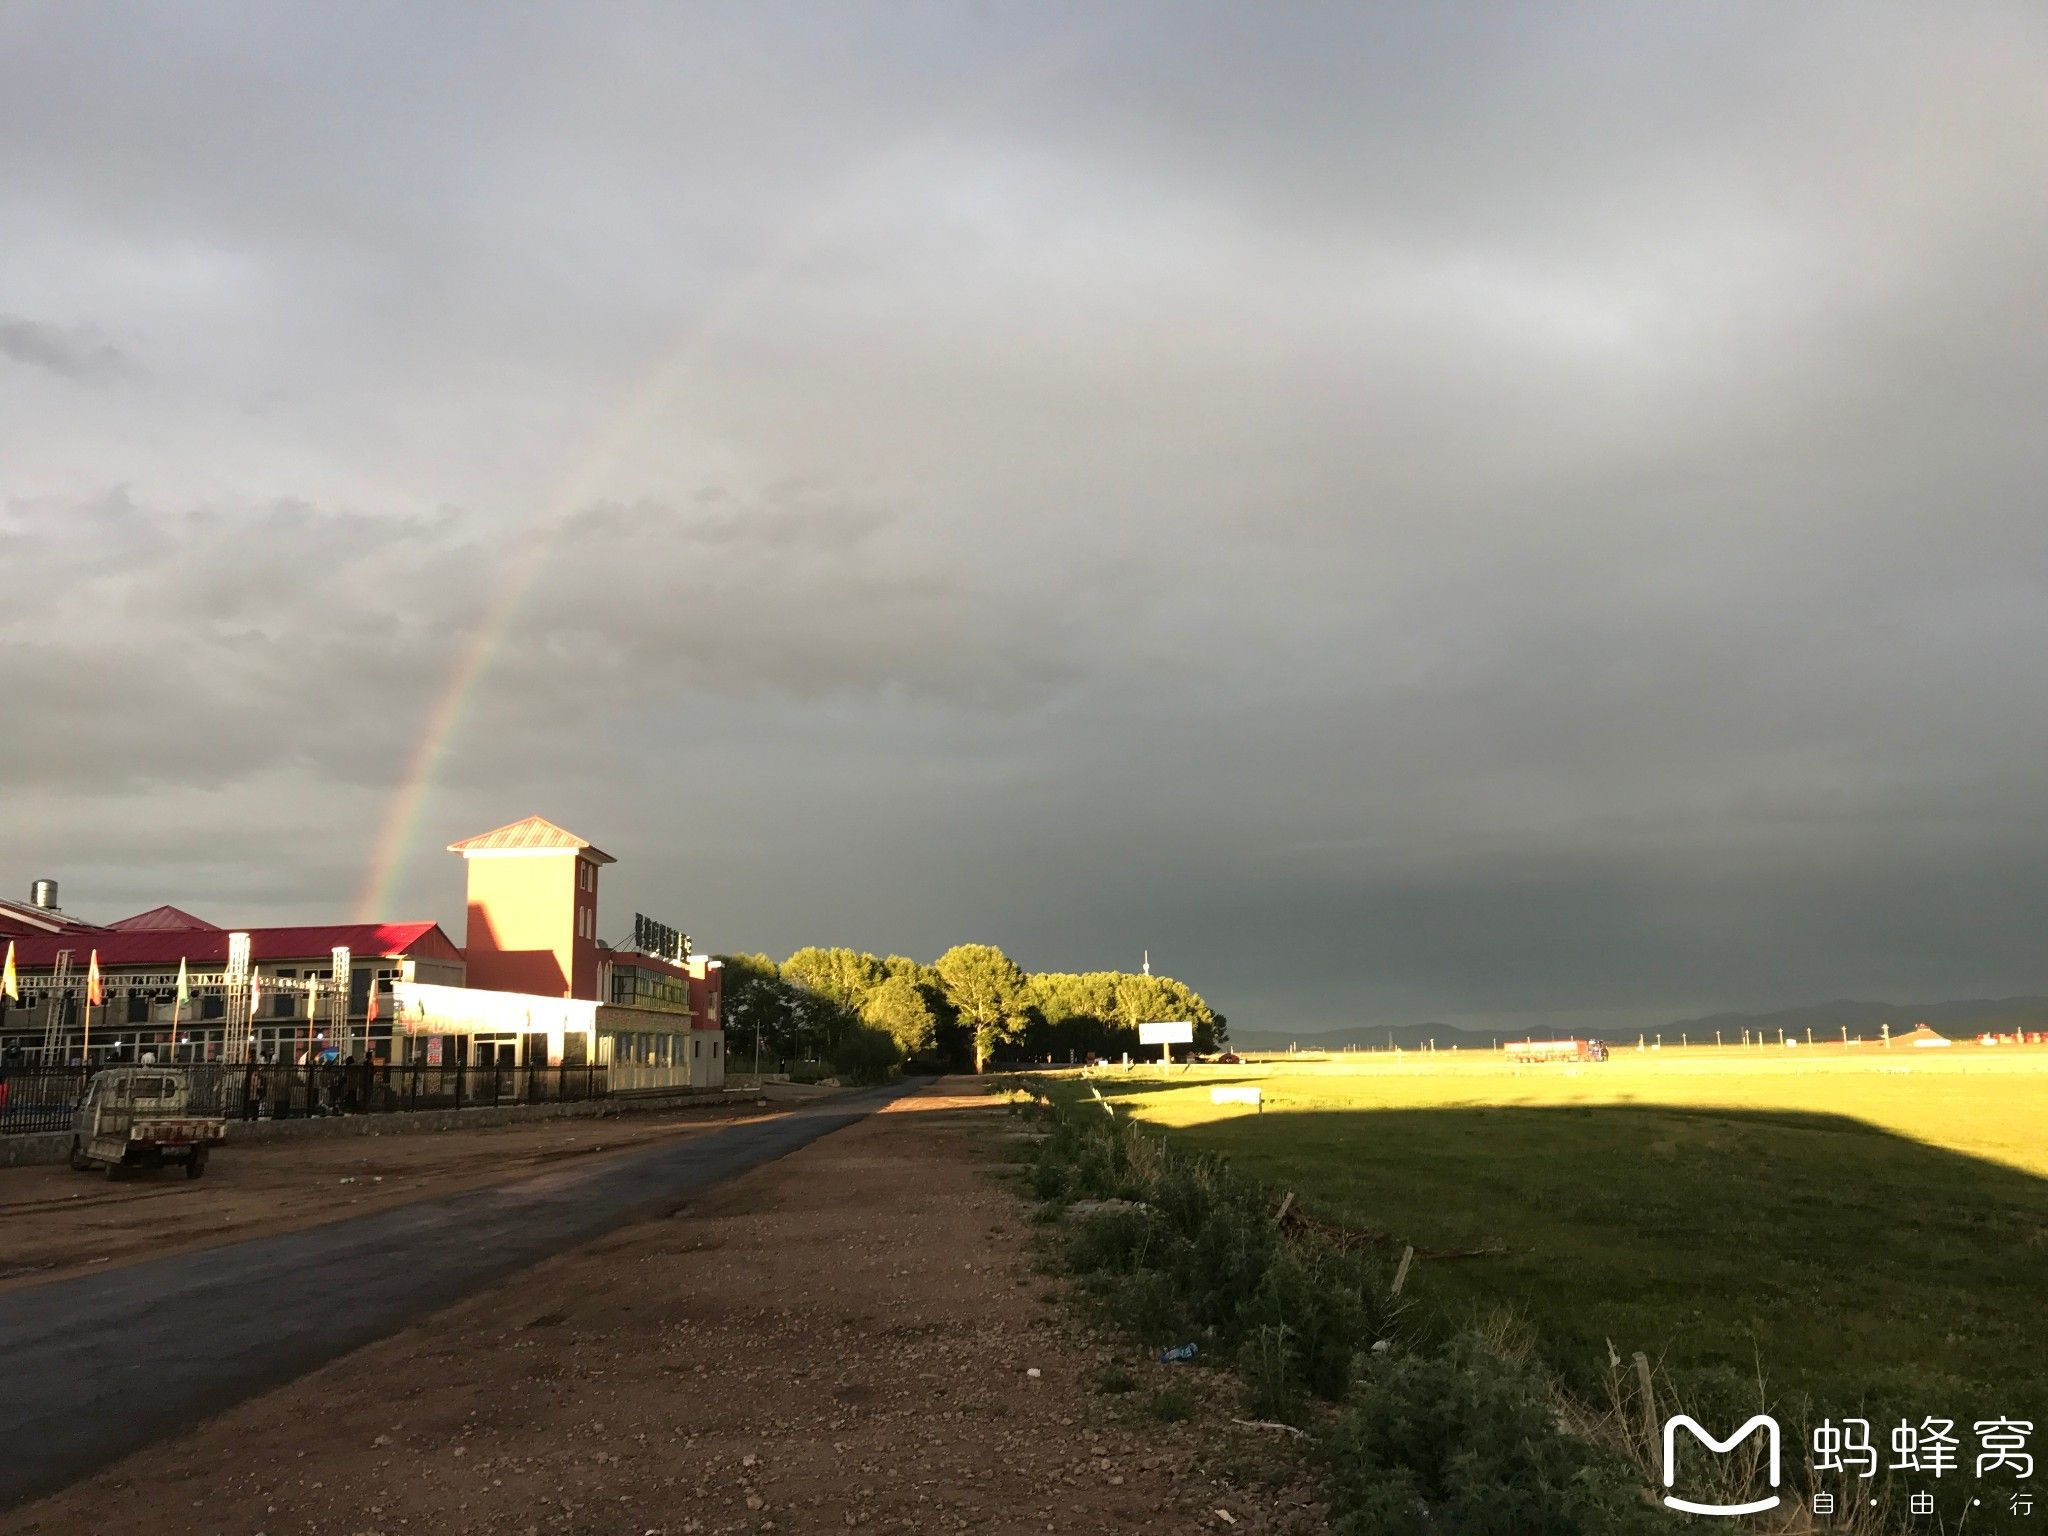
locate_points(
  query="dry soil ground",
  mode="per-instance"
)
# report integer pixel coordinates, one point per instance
(54, 1221)
(842, 1339)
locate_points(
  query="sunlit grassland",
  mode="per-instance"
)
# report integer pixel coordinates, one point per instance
(1868, 1227)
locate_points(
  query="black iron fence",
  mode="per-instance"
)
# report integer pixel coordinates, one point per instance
(40, 1098)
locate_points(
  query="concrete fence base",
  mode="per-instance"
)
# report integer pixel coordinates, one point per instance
(36, 1147)
(55, 1146)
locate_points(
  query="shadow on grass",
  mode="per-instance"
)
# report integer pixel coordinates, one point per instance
(1859, 1271)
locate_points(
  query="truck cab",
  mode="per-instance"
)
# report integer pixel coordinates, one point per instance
(144, 1117)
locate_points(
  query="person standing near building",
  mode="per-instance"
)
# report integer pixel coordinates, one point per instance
(330, 1088)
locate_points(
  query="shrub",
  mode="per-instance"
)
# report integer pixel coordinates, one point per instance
(865, 1054)
(1463, 1441)
(1434, 1435)
(1267, 1362)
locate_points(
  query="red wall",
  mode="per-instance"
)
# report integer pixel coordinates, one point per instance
(533, 923)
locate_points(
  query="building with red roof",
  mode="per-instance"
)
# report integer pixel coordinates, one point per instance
(163, 920)
(39, 914)
(290, 974)
(651, 1012)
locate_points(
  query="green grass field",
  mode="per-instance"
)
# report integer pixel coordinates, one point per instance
(1870, 1228)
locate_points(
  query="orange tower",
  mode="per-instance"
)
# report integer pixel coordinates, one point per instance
(533, 909)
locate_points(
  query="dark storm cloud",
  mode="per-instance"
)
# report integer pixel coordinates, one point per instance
(1409, 511)
(70, 352)
(316, 638)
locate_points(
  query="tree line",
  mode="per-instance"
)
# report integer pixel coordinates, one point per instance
(865, 1014)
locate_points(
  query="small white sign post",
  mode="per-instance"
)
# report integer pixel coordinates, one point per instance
(1166, 1034)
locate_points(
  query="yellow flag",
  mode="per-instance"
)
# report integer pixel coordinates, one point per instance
(10, 984)
(184, 984)
(94, 997)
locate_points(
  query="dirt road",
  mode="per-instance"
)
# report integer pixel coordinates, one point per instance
(108, 1362)
(55, 1222)
(844, 1338)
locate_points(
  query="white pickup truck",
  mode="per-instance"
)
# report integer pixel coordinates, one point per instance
(144, 1117)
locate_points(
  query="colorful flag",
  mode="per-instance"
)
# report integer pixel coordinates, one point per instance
(10, 984)
(370, 1017)
(93, 995)
(255, 993)
(184, 985)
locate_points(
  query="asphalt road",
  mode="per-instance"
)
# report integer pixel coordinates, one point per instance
(96, 1367)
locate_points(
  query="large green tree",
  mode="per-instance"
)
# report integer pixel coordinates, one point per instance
(843, 977)
(1099, 1012)
(899, 1006)
(757, 999)
(989, 992)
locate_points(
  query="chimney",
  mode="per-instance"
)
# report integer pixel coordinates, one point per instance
(43, 895)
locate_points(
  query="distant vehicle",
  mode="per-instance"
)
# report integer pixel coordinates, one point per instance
(144, 1117)
(1557, 1050)
(1230, 1059)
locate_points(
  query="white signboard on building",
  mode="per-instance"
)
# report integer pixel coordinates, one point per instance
(1167, 1032)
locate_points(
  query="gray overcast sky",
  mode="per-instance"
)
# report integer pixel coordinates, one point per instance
(1429, 512)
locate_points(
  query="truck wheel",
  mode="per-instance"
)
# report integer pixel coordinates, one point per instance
(79, 1161)
(195, 1165)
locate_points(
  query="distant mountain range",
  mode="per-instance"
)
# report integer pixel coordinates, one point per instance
(1968, 1016)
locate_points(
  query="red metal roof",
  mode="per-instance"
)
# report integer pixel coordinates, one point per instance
(166, 947)
(19, 918)
(164, 920)
(535, 834)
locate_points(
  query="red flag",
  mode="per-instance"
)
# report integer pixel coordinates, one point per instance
(93, 996)
(370, 1015)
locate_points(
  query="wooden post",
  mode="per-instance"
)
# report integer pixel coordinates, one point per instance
(1650, 1424)
(1401, 1274)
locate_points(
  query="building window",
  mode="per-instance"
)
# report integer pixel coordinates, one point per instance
(696, 1048)
(138, 1008)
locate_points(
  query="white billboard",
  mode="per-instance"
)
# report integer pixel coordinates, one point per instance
(1167, 1032)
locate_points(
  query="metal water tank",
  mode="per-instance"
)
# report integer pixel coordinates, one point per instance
(43, 894)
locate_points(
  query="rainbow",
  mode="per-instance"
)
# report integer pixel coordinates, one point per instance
(400, 826)
(399, 830)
